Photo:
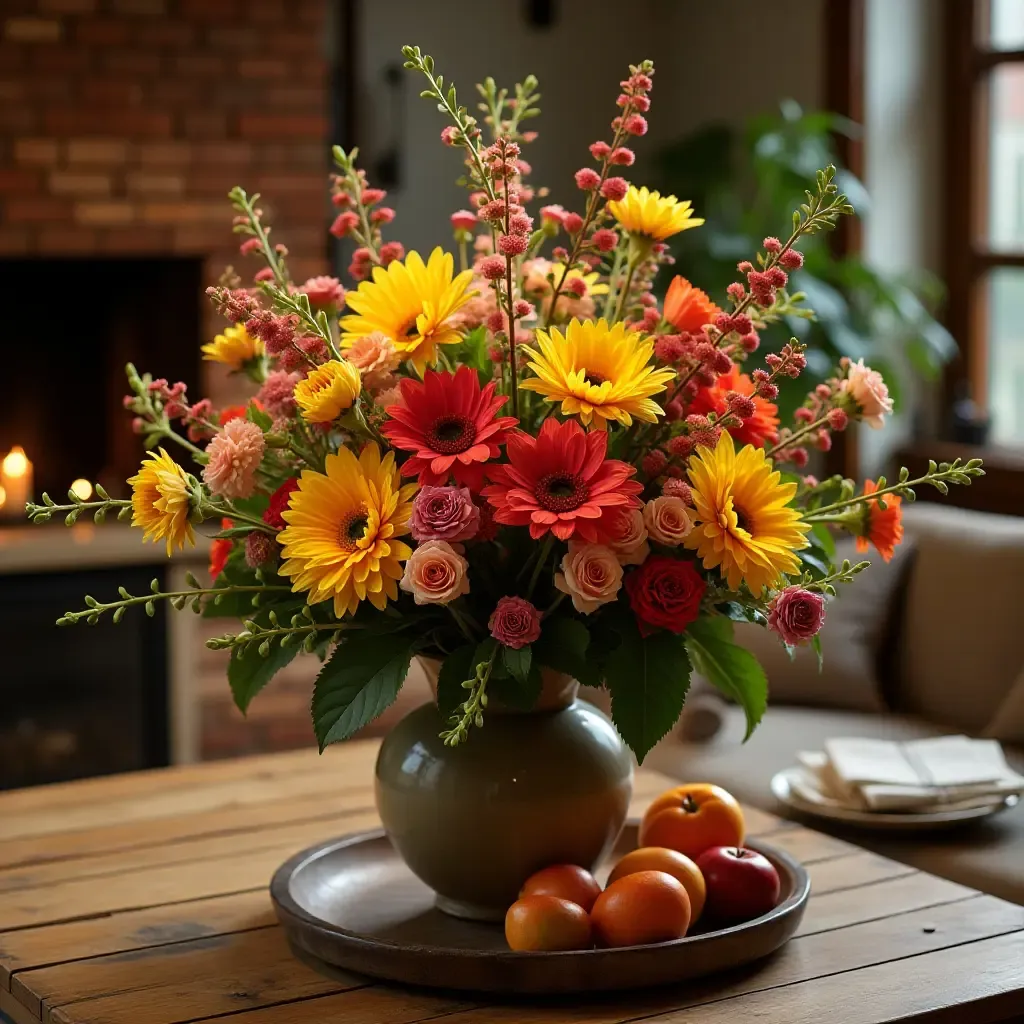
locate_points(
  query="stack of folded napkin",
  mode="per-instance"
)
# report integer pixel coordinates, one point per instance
(946, 773)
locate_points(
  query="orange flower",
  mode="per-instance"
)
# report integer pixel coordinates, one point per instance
(219, 550)
(760, 429)
(237, 412)
(883, 526)
(688, 308)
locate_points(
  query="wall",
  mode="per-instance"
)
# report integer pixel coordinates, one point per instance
(579, 61)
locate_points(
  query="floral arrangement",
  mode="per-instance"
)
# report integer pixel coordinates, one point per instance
(524, 464)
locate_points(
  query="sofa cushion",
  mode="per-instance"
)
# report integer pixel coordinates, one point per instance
(961, 639)
(1007, 724)
(852, 642)
(986, 857)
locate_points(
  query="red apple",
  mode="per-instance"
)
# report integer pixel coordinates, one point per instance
(741, 883)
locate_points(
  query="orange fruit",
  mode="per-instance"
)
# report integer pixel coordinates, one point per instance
(547, 923)
(643, 907)
(678, 865)
(692, 819)
(566, 881)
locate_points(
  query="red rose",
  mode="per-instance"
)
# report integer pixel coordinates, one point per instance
(665, 592)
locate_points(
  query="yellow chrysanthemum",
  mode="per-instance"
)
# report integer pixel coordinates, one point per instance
(411, 303)
(598, 373)
(161, 500)
(341, 538)
(657, 217)
(328, 391)
(235, 347)
(743, 523)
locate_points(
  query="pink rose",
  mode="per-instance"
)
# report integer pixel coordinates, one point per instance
(514, 622)
(868, 390)
(444, 513)
(435, 573)
(797, 615)
(374, 356)
(667, 520)
(627, 536)
(591, 575)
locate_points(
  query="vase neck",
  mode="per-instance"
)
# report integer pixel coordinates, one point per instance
(558, 690)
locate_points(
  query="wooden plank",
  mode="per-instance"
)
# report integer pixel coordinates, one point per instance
(975, 984)
(841, 873)
(827, 911)
(188, 851)
(14, 1011)
(241, 870)
(910, 940)
(376, 1005)
(320, 799)
(119, 933)
(809, 846)
(182, 982)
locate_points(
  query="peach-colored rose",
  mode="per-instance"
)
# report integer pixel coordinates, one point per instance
(591, 576)
(436, 573)
(867, 388)
(627, 536)
(667, 520)
(374, 356)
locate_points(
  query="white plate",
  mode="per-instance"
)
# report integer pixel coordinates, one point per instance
(882, 821)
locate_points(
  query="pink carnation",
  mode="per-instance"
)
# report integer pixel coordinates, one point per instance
(278, 393)
(515, 622)
(374, 356)
(235, 454)
(444, 513)
(324, 291)
(797, 615)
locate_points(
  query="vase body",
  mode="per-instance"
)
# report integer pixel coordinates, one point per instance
(527, 790)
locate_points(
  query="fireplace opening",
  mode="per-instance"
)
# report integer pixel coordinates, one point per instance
(70, 327)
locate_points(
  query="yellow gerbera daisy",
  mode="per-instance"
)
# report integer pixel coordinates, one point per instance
(411, 303)
(235, 347)
(341, 538)
(657, 217)
(328, 391)
(598, 373)
(161, 501)
(744, 525)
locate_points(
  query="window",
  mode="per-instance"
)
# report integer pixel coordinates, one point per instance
(985, 231)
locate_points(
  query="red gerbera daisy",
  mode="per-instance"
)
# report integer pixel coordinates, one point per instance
(449, 422)
(760, 429)
(561, 482)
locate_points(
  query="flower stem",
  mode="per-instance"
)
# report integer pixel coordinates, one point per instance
(542, 558)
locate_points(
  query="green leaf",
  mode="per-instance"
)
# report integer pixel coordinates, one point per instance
(519, 695)
(648, 678)
(259, 417)
(359, 682)
(816, 644)
(456, 669)
(518, 661)
(249, 672)
(563, 647)
(729, 667)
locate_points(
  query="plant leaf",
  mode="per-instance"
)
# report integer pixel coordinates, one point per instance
(249, 672)
(361, 679)
(515, 694)
(518, 662)
(563, 647)
(648, 678)
(729, 667)
(456, 669)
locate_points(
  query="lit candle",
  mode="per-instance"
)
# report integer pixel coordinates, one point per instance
(16, 483)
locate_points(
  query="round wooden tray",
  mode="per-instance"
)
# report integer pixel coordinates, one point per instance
(352, 903)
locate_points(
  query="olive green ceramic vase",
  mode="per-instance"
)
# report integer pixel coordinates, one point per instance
(550, 786)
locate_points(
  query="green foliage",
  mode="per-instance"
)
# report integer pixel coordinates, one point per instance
(745, 183)
(455, 670)
(359, 682)
(249, 670)
(518, 662)
(259, 417)
(648, 678)
(563, 647)
(729, 667)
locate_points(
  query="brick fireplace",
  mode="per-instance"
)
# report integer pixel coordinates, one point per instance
(123, 123)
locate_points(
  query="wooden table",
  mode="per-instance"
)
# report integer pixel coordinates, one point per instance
(142, 899)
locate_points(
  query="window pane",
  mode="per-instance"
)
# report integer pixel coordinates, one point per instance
(1006, 24)
(1006, 158)
(1006, 354)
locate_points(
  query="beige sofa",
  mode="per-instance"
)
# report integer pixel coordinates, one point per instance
(932, 643)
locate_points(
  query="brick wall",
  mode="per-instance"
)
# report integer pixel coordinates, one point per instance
(123, 123)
